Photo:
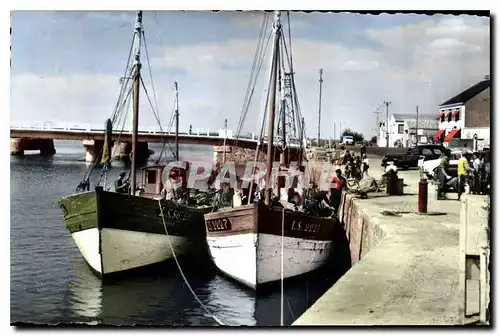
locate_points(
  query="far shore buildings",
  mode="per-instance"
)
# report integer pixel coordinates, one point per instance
(403, 130)
(464, 120)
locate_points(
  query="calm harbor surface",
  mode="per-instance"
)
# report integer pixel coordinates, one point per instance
(50, 282)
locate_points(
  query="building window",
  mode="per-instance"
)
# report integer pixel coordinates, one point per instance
(442, 116)
(456, 115)
(401, 128)
(151, 176)
(449, 115)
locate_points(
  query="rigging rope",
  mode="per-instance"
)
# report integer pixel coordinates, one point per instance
(261, 134)
(182, 273)
(126, 103)
(245, 112)
(88, 173)
(154, 113)
(257, 53)
(259, 60)
(163, 51)
(282, 250)
(154, 96)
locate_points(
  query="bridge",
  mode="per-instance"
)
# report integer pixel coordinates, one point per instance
(40, 136)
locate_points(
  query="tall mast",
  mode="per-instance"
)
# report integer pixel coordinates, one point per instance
(272, 105)
(283, 114)
(224, 144)
(301, 149)
(135, 120)
(176, 90)
(319, 108)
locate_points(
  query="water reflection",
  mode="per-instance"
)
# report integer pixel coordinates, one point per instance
(85, 292)
(164, 299)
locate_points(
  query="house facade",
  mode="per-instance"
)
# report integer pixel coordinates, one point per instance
(402, 130)
(427, 127)
(464, 120)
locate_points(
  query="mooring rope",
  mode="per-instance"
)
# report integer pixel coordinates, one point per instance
(282, 250)
(182, 273)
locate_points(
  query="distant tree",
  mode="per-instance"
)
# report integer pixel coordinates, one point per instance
(358, 137)
(373, 140)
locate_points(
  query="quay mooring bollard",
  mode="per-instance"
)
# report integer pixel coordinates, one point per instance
(422, 195)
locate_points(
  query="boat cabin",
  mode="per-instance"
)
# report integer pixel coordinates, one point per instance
(151, 179)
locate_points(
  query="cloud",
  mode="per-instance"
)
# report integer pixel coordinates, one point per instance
(420, 63)
(76, 99)
(360, 65)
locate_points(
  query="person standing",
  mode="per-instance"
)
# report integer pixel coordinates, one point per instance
(443, 173)
(362, 151)
(339, 184)
(365, 165)
(462, 171)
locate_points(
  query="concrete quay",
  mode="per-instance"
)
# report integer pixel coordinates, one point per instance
(408, 269)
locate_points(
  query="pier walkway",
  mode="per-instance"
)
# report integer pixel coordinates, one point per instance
(410, 268)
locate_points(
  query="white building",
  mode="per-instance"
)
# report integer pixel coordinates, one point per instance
(402, 127)
(464, 120)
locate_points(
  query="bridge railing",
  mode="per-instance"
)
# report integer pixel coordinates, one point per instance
(88, 127)
(72, 127)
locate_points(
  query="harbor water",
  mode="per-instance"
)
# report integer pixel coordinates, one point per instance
(50, 282)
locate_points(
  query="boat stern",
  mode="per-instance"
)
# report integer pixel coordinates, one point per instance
(232, 242)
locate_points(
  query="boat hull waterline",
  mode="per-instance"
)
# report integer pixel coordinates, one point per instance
(245, 243)
(119, 232)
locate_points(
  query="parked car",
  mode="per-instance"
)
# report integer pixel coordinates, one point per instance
(411, 158)
(348, 140)
(429, 165)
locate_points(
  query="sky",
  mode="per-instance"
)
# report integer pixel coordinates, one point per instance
(66, 65)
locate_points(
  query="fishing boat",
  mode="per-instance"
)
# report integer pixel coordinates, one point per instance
(126, 230)
(263, 241)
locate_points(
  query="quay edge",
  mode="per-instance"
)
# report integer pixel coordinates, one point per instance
(409, 271)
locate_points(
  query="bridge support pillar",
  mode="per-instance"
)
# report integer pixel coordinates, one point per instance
(19, 145)
(16, 146)
(93, 150)
(122, 150)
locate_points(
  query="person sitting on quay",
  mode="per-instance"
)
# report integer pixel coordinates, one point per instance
(122, 184)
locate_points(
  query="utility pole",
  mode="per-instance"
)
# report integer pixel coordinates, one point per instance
(377, 126)
(319, 110)
(387, 103)
(416, 129)
(377, 114)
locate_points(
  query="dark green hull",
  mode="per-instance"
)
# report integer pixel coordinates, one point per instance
(126, 216)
